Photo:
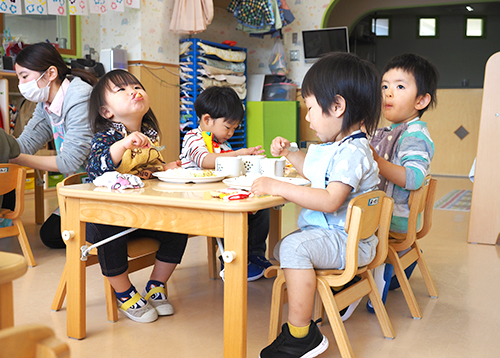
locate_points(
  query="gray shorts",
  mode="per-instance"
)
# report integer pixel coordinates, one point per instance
(321, 249)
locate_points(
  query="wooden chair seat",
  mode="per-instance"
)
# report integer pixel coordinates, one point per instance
(366, 213)
(421, 205)
(13, 177)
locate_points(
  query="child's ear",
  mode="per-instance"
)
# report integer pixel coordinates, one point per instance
(205, 118)
(423, 101)
(339, 106)
(105, 112)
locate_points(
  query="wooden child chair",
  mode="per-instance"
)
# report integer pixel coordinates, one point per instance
(141, 252)
(365, 214)
(13, 177)
(31, 341)
(421, 202)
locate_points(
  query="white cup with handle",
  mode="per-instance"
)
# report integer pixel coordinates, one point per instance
(272, 167)
(230, 166)
(251, 163)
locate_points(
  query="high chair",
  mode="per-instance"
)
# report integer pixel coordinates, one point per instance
(366, 214)
(141, 252)
(13, 177)
(31, 341)
(421, 201)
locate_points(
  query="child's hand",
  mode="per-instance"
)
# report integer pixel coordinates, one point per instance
(265, 185)
(375, 154)
(279, 147)
(251, 151)
(172, 165)
(136, 140)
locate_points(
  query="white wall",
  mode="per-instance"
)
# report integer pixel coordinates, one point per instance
(144, 32)
(146, 36)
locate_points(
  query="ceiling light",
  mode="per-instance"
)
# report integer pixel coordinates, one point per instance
(469, 8)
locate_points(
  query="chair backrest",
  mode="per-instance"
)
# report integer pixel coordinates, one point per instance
(421, 204)
(367, 214)
(428, 207)
(13, 177)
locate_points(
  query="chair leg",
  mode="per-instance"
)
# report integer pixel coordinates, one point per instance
(333, 314)
(23, 241)
(277, 306)
(319, 310)
(111, 304)
(404, 283)
(60, 292)
(379, 307)
(424, 270)
(212, 258)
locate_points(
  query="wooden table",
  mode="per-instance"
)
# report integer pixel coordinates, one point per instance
(184, 208)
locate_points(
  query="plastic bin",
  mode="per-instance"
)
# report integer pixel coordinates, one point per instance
(30, 184)
(54, 178)
(280, 92)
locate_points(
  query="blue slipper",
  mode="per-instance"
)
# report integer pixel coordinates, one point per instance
(408, 271)
(382, 276)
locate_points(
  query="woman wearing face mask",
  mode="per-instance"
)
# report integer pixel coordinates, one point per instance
(61, 114)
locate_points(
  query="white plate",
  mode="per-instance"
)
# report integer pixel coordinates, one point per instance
(164, 176)
(245, 183)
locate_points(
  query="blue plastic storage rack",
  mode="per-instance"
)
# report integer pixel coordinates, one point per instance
(191, 88)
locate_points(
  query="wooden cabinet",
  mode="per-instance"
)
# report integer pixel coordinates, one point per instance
(161, 82)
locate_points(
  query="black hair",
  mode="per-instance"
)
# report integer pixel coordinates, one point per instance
(425, 73)
(40, 56)
(220, 102)
(97, 101)
(356, 80)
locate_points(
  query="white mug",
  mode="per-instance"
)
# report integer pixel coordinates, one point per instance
(272, 167)
(231, 166)
(251, 163)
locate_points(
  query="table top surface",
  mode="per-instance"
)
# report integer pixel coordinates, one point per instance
(156, 192)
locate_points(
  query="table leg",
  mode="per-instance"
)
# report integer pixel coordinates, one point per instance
(235, 285)
(76, 295)
(39, 195)
(274, 230)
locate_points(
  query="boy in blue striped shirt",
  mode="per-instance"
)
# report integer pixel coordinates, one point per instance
(403, 150)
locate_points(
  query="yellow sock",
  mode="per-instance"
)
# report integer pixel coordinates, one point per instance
(298, 332)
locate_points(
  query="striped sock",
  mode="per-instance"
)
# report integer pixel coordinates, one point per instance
(128, 294)
(158, 295)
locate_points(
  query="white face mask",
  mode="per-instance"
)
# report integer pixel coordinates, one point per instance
(32, 93)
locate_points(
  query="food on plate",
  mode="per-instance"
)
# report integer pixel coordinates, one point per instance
(187, 173)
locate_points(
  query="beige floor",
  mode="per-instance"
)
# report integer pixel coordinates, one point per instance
(463, 322)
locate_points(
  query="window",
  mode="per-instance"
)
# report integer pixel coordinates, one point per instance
(428, 27)
(475, 27)
(380, 26)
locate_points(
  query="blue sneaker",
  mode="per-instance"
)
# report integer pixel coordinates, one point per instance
(254, 272)
(382, 276)
(259, 260)
(408, 271)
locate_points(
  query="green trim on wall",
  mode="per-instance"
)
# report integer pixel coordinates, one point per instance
(79, 37)
(326, 15)
(78, 23)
